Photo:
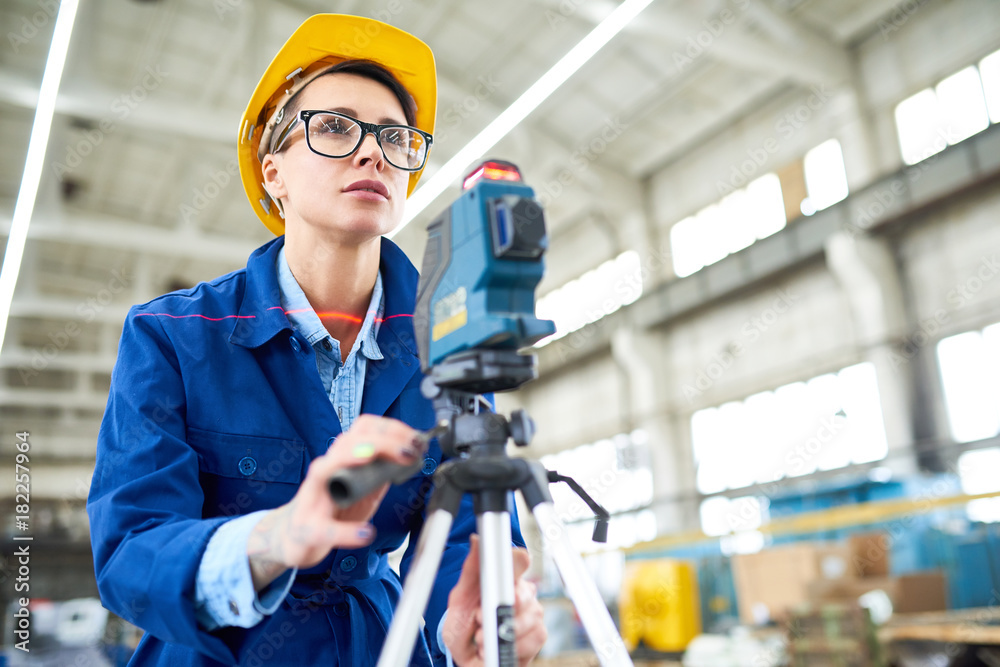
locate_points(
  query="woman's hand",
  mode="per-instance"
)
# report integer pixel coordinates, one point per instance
(302, 532)
(463, 626)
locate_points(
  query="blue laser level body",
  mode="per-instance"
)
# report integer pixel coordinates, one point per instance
(482, 263)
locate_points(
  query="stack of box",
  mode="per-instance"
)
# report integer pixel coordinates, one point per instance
(909, 593)
(832, 635)
(771, 583)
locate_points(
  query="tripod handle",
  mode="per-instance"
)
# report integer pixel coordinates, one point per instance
(351, 485)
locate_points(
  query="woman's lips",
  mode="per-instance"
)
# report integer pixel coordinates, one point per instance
(368, 190)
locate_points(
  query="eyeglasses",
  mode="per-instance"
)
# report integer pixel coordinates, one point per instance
(337, 135)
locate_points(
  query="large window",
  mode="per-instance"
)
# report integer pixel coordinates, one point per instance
(825, 175)
(978, 472)
(617, 474)
(726, 227)
(970, 366)
(828, 422)
(615, 283)
(955, 109)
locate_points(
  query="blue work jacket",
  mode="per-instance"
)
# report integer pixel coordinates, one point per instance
(215, 410)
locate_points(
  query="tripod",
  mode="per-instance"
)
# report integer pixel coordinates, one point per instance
(482, 468)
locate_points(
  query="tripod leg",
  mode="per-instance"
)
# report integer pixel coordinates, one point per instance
(581, 590)
(496, 581)
(398, 646)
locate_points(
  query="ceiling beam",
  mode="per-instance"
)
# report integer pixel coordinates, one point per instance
(67, 310)
(720, 37)
(78, 362)
(38, 398)
(108, 108)
(108, 232)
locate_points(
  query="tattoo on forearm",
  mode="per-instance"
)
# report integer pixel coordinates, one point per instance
(266, 551)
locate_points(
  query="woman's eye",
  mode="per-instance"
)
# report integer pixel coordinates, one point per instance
(395, 137)
(334, 127)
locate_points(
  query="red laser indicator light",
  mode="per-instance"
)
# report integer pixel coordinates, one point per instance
(492, 170)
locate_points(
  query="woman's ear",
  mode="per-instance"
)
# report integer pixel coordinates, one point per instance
(273, 182)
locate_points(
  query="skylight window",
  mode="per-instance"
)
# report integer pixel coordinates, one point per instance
(989, 71)
(952, 111)
(826, 177)
(970, 365)
(977, 471)
(728, 226)
(828, 422)
(963, 106)
(615, 283)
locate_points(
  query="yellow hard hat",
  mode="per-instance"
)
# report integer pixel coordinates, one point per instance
(321, 41)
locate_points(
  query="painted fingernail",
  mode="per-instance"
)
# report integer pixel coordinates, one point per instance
(366, 532)
(364, 450)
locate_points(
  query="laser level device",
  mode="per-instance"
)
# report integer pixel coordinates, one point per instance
(481, 265)
(475, 309)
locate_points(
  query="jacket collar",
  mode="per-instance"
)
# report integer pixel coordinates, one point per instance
(262, 318)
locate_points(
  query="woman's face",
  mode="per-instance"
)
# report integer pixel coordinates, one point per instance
(334, 196)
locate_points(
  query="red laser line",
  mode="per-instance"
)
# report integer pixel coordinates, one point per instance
(204, 317)
(336, 315)
(332, 315)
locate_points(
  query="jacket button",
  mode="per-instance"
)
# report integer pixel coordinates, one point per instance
(430, 465)
(294, 342)
(340, 609)
(247, 466)
(348, 563)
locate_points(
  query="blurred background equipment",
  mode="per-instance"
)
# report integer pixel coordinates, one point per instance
(659, 605)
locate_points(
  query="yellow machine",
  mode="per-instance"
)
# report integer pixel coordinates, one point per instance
(659, 605)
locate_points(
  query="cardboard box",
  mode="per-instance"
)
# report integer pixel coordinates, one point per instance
(770, 583)
(909, 593)
(869, 554)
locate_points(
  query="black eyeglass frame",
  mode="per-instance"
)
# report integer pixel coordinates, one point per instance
(366, 129)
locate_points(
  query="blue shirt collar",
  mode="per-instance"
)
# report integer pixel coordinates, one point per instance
(304, 319)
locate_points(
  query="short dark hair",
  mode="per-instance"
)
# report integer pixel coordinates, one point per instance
(368, 69)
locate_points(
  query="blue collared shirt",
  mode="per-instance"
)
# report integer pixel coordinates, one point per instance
(343, 381)
(224, 591)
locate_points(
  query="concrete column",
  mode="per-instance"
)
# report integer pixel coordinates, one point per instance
(867, 272)
(639, 356)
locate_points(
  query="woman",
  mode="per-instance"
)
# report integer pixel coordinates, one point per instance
(233, 402)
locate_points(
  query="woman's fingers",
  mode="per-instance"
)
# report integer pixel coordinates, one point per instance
(370, 438)
(347, 534)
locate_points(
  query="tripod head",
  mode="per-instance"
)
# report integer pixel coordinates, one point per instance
(475, 309)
